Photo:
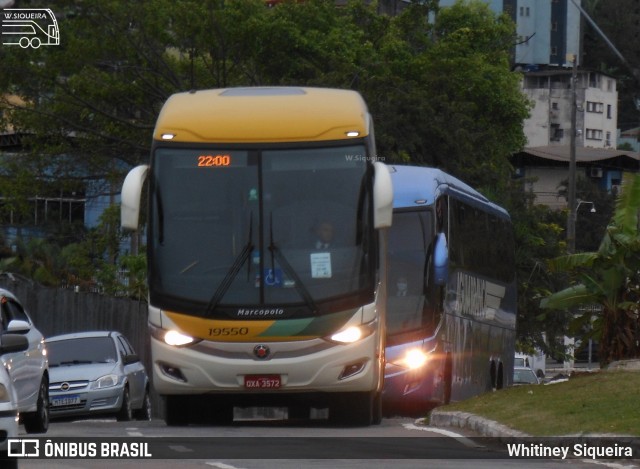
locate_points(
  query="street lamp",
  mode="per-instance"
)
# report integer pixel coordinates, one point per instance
(580, 202)
(574, 216)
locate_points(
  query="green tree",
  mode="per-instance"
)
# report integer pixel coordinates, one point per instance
(619, 20)
(538, 237)
(608, 277)
(441, 92)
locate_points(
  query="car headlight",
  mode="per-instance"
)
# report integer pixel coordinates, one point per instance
(4, 394)
(107, 381)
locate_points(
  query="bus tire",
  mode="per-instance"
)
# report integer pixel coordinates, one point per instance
(377, 409)
(352, 409)
(447, 380)
(500, 377)
(176, 411)
(493, 376)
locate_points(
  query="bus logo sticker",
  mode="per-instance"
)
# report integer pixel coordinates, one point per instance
(261, 351)
(29, 27)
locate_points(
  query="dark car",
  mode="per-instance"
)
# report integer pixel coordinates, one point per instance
(97, 373)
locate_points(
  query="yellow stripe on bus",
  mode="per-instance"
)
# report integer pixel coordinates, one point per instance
(238, 330)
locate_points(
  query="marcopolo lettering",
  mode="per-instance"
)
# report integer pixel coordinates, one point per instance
(245, 312)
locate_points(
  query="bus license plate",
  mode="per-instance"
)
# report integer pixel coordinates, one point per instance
(262, 381)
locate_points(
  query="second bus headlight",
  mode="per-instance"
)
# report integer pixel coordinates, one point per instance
(415, 358)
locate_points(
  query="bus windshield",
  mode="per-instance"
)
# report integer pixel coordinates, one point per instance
(235, 231)
(413, 303)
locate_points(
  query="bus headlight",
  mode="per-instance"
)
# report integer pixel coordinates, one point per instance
(177, 339)
(352, 334)
(415, 358)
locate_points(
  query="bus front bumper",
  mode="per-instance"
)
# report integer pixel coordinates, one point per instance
(287, 367)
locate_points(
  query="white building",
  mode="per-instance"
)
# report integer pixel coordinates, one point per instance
(550, 119)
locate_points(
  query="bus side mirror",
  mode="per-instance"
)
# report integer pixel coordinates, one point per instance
(382, 196)
(441, 260)
(130, 197)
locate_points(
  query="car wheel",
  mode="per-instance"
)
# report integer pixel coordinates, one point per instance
(38, 421)
(125, 413)
(144, 413)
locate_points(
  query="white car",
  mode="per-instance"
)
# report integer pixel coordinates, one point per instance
(524, 375)
(9, 343)
(97, 372)
(28, 370)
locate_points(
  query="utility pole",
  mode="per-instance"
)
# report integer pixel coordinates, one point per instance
(571, 220)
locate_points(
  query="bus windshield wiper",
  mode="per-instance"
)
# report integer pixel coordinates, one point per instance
(233, 272)
(290, 271)
(160, 217)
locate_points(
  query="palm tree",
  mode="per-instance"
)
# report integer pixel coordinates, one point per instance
(609, 277)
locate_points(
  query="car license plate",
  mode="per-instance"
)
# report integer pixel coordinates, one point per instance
(262, 381)
(65, 400)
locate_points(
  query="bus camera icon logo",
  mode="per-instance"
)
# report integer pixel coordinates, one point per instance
(29, 27)
(23, 448)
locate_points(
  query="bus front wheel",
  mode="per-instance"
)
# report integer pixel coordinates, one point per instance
(447, 380)
(355, 409)
(176, 411)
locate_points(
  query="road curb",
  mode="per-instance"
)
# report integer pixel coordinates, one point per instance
(479, 425)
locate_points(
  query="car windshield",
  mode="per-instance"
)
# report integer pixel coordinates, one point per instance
(81, 351)
(277, 228)
(524, 377)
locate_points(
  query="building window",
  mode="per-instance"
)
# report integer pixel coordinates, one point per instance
(554, 26)
(554, 106)
(554, 50)
(607, 141)
(608, 111)
(594, 107)
(557, 133)
(594, 134)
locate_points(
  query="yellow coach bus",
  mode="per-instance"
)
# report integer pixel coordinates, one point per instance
(266, 253)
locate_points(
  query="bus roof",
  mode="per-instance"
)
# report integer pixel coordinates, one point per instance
(263, 114)
(416, 186)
